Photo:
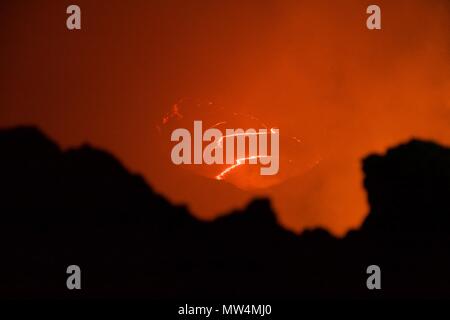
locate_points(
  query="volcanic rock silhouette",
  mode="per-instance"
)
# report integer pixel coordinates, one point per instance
(81, 206)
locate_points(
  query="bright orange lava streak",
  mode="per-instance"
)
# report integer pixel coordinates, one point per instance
(239, 162)
(219, 142)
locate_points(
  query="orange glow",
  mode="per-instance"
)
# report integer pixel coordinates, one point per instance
(238, 163)
(310, 68)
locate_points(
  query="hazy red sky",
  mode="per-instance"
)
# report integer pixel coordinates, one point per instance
(310, 68)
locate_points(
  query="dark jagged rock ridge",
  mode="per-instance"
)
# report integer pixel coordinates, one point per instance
(81, 206)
